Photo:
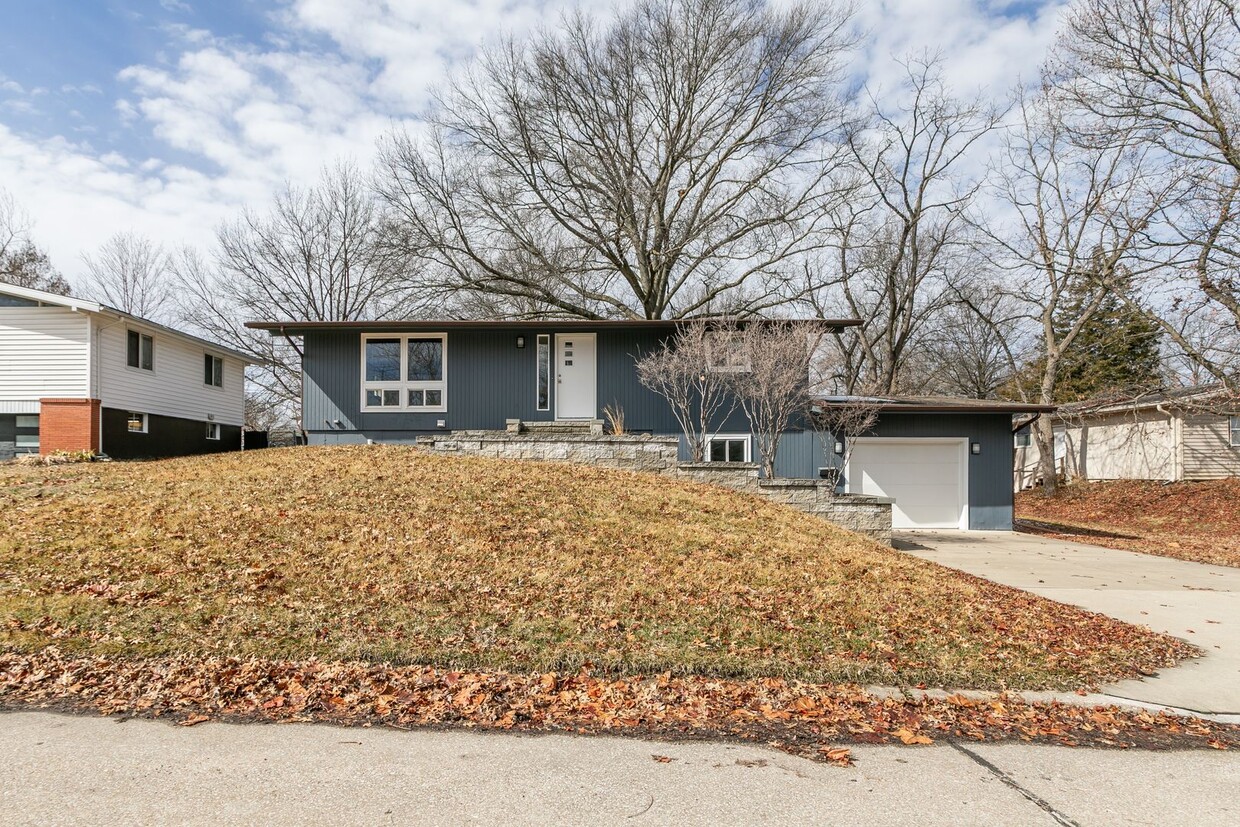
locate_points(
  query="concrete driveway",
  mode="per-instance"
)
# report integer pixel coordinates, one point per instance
(1196, 602)
(57, 769)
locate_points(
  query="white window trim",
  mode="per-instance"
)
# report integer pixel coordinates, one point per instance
(405, 386)
(223, 364)
(213, 428)
(1233, 430)
(540, 340)
(748, 438)
(154, 362)
(146, 422)
(1028, 437)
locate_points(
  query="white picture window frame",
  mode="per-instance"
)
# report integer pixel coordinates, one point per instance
(746, 439)
(404, 390)
(725, 352)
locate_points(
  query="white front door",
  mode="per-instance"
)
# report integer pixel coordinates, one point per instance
(575, 376)
(927, 478)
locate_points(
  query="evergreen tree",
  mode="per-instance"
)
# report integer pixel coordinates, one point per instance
(1117, 350)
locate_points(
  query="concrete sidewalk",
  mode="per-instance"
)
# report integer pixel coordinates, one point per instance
(57, 769)
(1196, 602)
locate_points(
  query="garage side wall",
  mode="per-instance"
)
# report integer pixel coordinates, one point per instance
(990, 472)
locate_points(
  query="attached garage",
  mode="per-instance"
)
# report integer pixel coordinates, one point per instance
(944, 463)
(926, 477)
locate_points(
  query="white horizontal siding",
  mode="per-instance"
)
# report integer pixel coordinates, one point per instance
(1208, 452)
(43, 353)
(175, 387)
(1123, 446)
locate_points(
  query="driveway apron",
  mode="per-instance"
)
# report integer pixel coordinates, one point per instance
(1196, 602)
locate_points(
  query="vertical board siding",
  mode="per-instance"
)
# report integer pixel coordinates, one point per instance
(43, 353)
(490, 380)
(990, 472)
(175, 388)
(1208, 452)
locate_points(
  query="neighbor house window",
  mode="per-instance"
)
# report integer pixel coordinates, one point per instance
(213, 370)
(727, 448)
(141, 351)
(544, 372)
(26, 438)
(725, 352)
(137, 423)
(213, 430)
(1235, 430)
(404, 372)
(1023, 438)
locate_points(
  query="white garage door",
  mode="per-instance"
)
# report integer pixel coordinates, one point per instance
(925, 478)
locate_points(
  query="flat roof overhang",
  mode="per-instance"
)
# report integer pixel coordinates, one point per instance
(914, 405)
(297, 328)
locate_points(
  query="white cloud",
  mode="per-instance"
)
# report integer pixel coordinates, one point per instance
(217, 123)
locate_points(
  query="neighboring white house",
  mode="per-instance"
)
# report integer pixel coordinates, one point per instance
(1189, 434)
(76, 375)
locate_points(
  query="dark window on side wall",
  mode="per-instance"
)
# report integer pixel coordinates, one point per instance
(1024, 438)
(213, 370)
(141, 351)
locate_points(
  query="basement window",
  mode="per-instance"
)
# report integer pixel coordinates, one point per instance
(137, 423)
(727, 448)
(405, 373)
(213, 430)
(141, 351)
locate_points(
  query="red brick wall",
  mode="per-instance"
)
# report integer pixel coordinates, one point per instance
(68, 425)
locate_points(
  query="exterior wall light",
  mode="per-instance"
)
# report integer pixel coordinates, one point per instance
(839, 447)
(520, 341)
(975, 447)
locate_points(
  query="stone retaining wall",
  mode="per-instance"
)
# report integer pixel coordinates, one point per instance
(866, 515)
(653, 454)
(870, 516)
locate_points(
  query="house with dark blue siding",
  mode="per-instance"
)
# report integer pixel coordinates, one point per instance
(947, 463)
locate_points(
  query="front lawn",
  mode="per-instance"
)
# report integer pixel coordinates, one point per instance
(384, 554)
(1197, 521)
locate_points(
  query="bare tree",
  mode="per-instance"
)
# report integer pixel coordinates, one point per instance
(773, 385)
(977, 344)
(670, 163)
(1076, 214)
(1166, 72)
(22, 263)
(133, 274)
(687, 372)
(320, 253)
(901, 241)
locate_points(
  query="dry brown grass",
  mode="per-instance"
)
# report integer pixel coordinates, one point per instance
(1197, 521)
(387, 554)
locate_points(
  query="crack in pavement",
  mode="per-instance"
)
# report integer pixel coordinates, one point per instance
(1041, 803)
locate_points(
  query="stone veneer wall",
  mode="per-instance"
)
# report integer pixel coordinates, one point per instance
(634, 452)
(870, 516)
(866, 515)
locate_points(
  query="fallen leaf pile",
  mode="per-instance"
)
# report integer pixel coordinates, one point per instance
(807, 719)
(386, 554)
(1197, 521)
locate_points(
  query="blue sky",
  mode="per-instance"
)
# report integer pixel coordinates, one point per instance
(167, 117)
